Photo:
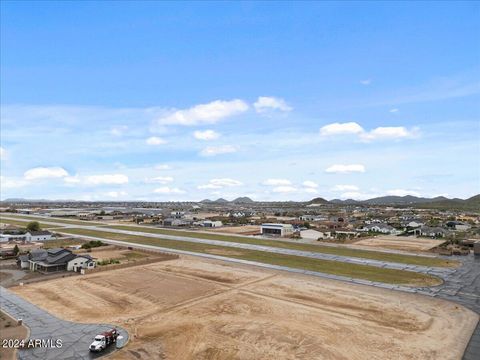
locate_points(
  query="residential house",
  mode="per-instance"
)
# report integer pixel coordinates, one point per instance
(432, 231)
(38, 235)
(380, 228)
(457, 225)
(46, 261)
(81, 262)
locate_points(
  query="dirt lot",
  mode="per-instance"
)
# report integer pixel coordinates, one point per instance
(198, 309)
(10, 330)
(240, 230)
(407, 243)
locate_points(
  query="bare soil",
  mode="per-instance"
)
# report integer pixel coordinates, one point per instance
(240, 230)
(203, 309)
(10, 330)
(407, 243)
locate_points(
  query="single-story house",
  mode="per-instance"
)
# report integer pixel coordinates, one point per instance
(38, 235)
(380, 228)
(458, 225)
(432, 231)
(47, 261)
(81, 262)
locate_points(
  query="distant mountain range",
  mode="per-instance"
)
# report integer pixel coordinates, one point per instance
(440, 202)
(436, 202)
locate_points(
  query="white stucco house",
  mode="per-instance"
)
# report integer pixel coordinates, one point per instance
(38, 236)
(81, 262)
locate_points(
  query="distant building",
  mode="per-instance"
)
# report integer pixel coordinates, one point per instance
(315, 235)
(432, 231)
(457, 225)
(380, 228)
(38, 236)
(176, 222)
(281, 230)
(212, 224)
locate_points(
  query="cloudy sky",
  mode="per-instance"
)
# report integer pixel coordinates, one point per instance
(285, 101)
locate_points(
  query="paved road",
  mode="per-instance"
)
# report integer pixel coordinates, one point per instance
(463, 287)
(75, 337)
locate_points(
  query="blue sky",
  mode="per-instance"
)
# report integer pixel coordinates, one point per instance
(277, 101)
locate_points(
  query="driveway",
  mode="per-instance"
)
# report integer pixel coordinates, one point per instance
(75, 337)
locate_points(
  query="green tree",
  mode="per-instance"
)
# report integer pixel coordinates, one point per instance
(16, 250)
(33, 226)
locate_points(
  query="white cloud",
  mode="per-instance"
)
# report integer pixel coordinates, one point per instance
(220, 183)
(355, 195)
(284, 189)
(269, 103)
(168, 190)
(160, 179)
(118, 130)
(345, 169)
(310, 184)
(217, 150)
(107, 179)
(341, 128)
(394, 110)
(116, 194)
(162, 167)
(72, 179)
(209, 113)
(3, 153)
(379, 133)
(11, 183)
(276, 182)
(390, 132)
(206, 135)
(155, 140)
(345, 188)
(366, 82)
(310, 190)
(402, 192)
(45, 173)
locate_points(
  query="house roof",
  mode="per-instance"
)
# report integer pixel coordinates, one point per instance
(39, 233)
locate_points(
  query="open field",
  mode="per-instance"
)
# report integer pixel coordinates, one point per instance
(325, 266)
(407, 243)
(24, 223)
(341, 251)
(53, 219)
(203, 309)
(239, 230)
(55, 243)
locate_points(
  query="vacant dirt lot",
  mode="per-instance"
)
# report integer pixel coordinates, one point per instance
(407, 243)
(10, 330)
(241, 230)
(198, 309)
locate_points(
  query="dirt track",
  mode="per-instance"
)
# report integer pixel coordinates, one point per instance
(197, 309)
